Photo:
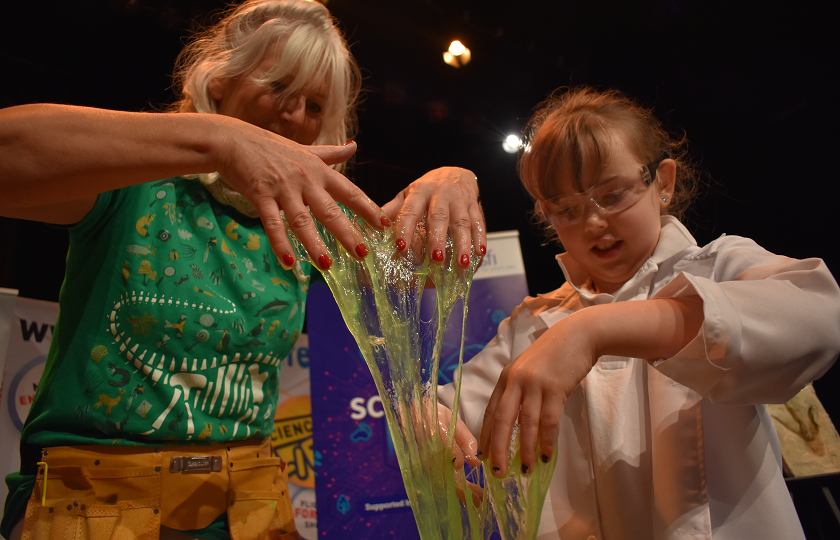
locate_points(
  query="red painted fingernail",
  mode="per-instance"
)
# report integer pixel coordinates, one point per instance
(482, 250)
(361, 251)
(465, 260)
(349, 142)
(400, 244)
(437, 255)
(324, 262)
(288, 260)
(385, 221)
(524, 469)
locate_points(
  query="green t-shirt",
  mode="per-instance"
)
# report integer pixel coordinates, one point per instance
(175, 316)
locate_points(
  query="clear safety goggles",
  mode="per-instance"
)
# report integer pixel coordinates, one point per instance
(609, 197)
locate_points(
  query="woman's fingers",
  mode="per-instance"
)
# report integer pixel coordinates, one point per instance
(460, 228)
(478, 229)
(275, 231)
(324, 208)
(352, 196)
(437, 225)
(277, 174)
(448, 198)
(322, 203)
(405, 218)
(333, 155)
(301, 223)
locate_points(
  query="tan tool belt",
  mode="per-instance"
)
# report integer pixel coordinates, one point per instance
(104, 492)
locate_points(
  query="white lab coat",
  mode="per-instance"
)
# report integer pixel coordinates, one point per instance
(684, 448)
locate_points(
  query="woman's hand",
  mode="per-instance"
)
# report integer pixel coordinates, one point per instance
(277, 174)
(533, 388)
(448, 197)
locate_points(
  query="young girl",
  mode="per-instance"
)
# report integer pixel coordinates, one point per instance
(647, 370)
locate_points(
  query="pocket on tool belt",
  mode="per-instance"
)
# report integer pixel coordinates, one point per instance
(258, 474)
(68, 519)
(259, 498)
(138, 485)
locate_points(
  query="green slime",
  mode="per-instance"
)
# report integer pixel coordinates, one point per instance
(379, 299)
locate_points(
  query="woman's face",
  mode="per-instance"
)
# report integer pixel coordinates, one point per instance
(299, 117)
(612, 247)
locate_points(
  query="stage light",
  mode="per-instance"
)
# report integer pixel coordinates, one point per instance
(511, 144)
(457, 48)
(457, 55)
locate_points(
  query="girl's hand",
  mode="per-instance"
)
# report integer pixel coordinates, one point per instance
(533, 388)
(465, 447)
(448, 197)
(276, 174)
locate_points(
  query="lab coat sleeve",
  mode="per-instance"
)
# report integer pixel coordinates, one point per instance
(771, 323)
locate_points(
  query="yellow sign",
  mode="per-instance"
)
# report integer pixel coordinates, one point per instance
(292, 439)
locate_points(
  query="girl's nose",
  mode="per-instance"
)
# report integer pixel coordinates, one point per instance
(293, 110)
(593, 217)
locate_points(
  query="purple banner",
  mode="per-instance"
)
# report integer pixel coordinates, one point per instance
(358, 485)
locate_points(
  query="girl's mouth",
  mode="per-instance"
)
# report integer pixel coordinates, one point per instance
(607, 250)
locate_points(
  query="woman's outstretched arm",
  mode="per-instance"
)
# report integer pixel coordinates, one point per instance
(56, 159)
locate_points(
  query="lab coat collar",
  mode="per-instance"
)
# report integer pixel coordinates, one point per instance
(673, 238)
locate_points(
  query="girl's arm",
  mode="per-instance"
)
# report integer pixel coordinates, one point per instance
(56, 159)
(543, 376)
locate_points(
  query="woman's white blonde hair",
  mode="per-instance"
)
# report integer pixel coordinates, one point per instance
(311, 53)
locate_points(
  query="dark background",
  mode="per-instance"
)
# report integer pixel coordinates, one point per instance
(750, 83)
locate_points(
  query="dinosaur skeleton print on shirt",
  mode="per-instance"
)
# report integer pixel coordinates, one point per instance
(197, 326)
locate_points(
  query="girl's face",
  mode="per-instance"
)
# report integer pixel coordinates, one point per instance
(299, 117)
(612, 247)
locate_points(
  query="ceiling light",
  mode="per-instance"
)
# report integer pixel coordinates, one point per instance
(457, 55)
(457, 48)
(511, 144)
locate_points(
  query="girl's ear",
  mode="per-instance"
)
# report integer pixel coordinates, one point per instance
(667, 175)
(216, 88)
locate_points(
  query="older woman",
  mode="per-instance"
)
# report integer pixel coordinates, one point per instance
(182, 290)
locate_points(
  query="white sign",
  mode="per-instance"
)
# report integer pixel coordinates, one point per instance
(30, 325)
